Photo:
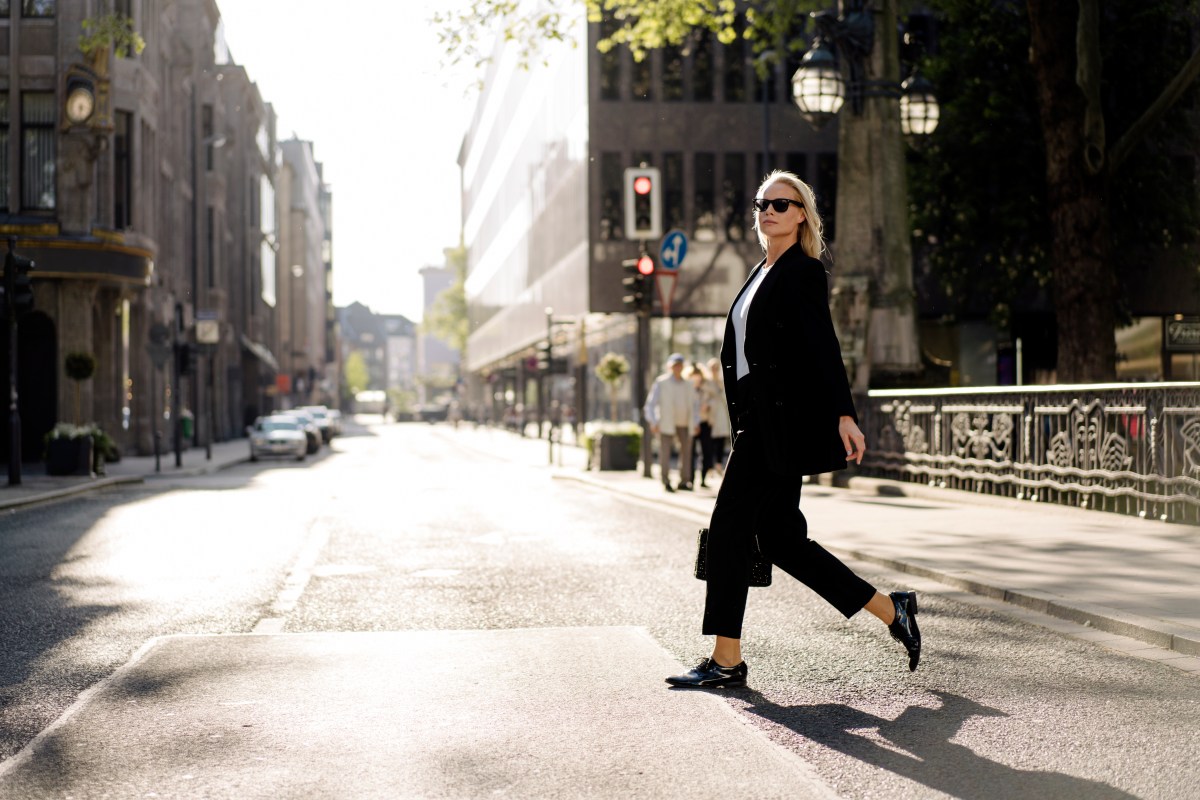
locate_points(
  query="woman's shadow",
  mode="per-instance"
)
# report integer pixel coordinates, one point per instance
(923, 750)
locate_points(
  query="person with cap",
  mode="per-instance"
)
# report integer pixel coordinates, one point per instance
(793, 415)
(673, 415)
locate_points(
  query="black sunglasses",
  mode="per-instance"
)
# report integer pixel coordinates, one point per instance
(780, 204)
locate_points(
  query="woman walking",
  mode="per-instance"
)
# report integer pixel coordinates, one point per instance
(720, 415)
(792, 413)
(707, 400)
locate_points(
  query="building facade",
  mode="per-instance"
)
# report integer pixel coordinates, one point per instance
(156, 227)
(542, 170)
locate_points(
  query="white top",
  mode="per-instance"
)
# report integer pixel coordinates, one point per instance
(739, 315)
(673, 403)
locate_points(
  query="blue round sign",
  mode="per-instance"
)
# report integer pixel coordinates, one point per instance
(672, 251)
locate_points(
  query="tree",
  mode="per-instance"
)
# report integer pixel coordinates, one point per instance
(1081, 167)
(612, 369)
(447, 318)
(79, 368)
(358, 377)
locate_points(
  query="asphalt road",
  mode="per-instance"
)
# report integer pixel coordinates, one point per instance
(411, 527)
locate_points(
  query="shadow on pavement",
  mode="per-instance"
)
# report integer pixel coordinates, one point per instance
(929, 757)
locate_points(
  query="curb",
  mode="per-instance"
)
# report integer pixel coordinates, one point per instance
(67, 491)
(1157, 633)
(117, 480)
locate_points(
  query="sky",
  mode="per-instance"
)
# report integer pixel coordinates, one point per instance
(364, 83)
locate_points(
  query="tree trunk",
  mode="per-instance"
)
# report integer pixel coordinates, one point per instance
(1084, 280)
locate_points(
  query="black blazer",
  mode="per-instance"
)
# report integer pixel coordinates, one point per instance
(799, 390)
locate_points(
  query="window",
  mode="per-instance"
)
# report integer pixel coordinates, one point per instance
(610, 64)
(797, 164)
(702, 67)
(765, 83)
(38, 8)
(672, 178)
(672, 68)
(206, 131)
(735, 65)
(705, 212)
(4, 177)
(612, 184)
(38, 115)
(826, 188)
(733, 195)
(122, 170)
(211, 256)
(642, 88)
(5, 8)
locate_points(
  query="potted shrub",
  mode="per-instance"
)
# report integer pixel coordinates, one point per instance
(69, 450)
(612, 445)
(612, 370)
(79, 368)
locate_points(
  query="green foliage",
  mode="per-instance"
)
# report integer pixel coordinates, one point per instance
(977, 186)
(358, 377)
(79, 366)
(102, 443)
(592, 431)
(111, 30)
(612, 368)
(401, 400)
(447, 319)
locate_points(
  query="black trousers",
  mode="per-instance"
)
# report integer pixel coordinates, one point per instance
(754, 502)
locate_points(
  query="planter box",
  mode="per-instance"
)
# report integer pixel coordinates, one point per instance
(69, 456)
(617, 451)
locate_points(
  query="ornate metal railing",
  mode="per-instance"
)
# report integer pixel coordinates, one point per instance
(1129, 448)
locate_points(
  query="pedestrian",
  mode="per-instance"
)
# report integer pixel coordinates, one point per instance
(720, 415)
(706, 399)
(793, 414)
(672, 413)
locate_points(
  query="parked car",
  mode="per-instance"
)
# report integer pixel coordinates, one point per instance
(308, 425)
(335, 421)
(320, 415)
(277, 435)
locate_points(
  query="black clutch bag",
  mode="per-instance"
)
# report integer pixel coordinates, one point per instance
(760, 568)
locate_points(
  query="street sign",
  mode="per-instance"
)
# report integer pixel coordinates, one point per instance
(208, 329)
(673, 250)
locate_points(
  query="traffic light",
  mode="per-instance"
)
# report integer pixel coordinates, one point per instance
(185, 357)
(545, 360)
(638, 282)
(643, 203)
(18, 286)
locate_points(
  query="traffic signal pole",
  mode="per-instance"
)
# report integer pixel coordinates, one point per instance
(14, 414)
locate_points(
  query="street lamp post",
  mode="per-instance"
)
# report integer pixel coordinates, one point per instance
(873, 297)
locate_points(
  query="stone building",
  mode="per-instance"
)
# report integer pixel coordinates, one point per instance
(155, 222)
(304, 276)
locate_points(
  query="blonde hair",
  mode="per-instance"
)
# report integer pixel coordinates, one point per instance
(810, 230)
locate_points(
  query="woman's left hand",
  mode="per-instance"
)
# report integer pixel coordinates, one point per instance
(853, 439)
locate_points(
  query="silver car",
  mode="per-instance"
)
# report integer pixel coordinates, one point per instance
(277, 435)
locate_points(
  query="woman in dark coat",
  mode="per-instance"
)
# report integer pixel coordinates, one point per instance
(792, 414)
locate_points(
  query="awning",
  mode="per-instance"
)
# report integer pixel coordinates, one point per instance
(260, 352)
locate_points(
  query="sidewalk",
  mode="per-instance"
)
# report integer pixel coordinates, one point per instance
(36, 486)
(1132, 582)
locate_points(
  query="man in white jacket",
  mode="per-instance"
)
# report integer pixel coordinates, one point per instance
(673, 414)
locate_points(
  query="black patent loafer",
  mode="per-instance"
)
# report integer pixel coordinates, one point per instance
(904, 629)
(711, 674)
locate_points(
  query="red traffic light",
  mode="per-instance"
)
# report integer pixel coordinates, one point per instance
(645, 265)
(641, 184)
